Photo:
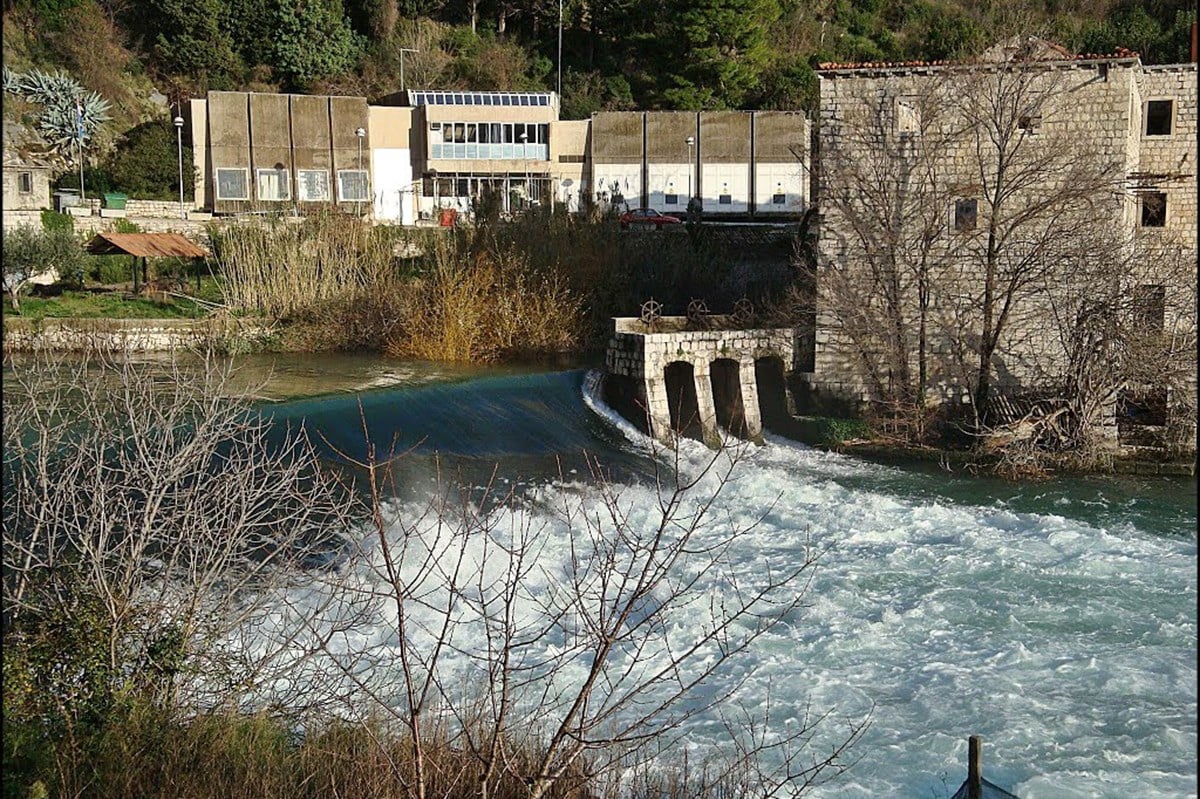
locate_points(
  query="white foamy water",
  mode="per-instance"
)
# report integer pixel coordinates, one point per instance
(1070, 648)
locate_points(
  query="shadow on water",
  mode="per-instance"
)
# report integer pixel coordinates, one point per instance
(511, 429)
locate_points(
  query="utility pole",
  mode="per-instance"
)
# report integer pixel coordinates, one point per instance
(179, 150)
(360, 133)
(404, 50)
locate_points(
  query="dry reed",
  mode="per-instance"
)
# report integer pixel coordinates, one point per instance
(482, 307)
(279, 268)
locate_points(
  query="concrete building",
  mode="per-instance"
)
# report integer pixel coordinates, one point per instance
(1138, 122)
(281, 152)
(511, 143)
(737, 163)
(442, 149)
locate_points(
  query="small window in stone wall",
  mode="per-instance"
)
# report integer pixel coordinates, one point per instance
(233, 184)
(1154, 209)
(1029, 123)
(1150, 307)
(725, 199)
(908, 116)
(671, 199)
(1159, 115)
(25, 182)
(966, 215)
(779, 199)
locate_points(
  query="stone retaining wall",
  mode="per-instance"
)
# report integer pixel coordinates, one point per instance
(137, 335)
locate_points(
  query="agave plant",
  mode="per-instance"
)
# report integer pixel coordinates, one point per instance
(12, 82)
(70, 114)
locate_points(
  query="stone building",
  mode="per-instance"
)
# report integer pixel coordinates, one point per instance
(1052, 174)
(27, 178)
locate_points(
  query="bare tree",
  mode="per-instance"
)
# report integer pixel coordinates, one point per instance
(1042, 193)
(962, 212)
(884, 200)
(539, 666)
(154, 514)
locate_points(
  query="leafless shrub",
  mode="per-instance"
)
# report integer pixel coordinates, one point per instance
(150, 509)
(537, 661)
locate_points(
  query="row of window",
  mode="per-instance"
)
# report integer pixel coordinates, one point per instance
(724, 199)
(274, 185)
(1154, 211)
(479, 98)
(491, 132)
(527, 152)
(1160, 116)
(490, 140)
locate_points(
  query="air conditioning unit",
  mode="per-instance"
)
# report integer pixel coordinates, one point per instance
(435, 125)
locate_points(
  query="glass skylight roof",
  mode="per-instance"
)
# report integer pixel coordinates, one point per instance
(480, 98)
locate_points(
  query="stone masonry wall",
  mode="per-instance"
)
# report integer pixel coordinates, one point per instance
(642, 353)
(1092, 108)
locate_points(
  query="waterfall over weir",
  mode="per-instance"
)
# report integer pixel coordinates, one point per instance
(1055, 619)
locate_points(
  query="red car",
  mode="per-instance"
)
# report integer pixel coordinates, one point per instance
(645, 217)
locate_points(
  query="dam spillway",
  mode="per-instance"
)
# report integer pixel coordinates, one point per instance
(672, 376)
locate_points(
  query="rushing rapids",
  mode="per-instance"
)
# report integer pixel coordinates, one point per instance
(1056, 619)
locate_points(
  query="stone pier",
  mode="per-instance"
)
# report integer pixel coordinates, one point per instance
(654, 362)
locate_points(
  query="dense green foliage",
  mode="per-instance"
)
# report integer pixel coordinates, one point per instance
(615, 53)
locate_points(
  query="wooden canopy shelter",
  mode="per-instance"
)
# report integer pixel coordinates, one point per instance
(145, 245)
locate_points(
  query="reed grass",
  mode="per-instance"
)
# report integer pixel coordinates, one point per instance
(483, 306)
(150, 751)
(279, 268)
(543, 283)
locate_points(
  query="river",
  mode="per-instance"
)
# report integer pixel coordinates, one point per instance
(1056, 619)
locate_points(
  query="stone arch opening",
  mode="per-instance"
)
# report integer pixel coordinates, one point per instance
(769, 376)
(680, 378)
(726, 378)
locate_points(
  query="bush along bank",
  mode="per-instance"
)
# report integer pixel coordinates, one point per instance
(539, 284)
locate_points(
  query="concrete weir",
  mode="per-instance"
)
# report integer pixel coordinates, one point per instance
(672, 377)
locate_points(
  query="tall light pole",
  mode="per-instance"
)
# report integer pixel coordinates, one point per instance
(691, 142)
(360, 133)
(404, 50)
(179, 150)
(525, 160)
(79, 141)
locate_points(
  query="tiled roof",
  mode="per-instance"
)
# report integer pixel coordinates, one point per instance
(1055, 53)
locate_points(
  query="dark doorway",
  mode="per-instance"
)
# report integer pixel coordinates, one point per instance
(680, 378)
(727, 396)
(772, 394)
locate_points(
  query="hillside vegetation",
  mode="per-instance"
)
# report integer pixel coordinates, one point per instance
(682, 54)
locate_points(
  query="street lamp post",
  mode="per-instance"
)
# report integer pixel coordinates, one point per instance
(360, 133)
(525, 160)
(179, 151)
(404, 50)
(691, 142)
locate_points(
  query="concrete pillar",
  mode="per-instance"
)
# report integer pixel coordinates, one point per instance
(706, 408)
(750, 407)
(659, 408)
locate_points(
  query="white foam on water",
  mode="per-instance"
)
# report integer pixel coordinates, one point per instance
(1070, 649)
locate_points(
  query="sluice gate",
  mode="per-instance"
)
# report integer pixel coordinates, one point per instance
(671, 379)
